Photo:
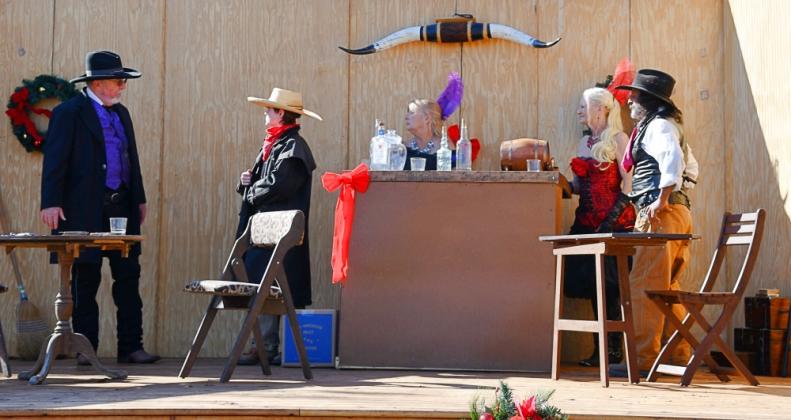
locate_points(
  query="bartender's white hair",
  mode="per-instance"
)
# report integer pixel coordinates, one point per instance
(605, 149)
(431, 110)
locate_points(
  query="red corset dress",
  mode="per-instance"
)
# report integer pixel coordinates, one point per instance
(600, 188)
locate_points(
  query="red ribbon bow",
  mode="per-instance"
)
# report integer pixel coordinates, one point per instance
(349, 182)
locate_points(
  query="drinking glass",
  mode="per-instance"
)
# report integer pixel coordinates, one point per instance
(118, 225)
(417, 163)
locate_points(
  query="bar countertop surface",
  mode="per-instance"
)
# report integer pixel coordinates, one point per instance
(550, 177)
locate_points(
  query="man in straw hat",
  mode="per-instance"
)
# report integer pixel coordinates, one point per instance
(280, 179)
(92, 173)
(657, 155)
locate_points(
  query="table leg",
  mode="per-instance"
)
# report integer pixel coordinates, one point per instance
(556, 336)
(54, 345)
(628, 321)
(64, 340)
(25, 375)
(601, 316)
(80, 344)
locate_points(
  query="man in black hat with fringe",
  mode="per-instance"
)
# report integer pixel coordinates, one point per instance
(657, 154)
(91, 173)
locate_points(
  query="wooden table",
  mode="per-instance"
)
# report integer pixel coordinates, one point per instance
(620, 245)
(63, 340)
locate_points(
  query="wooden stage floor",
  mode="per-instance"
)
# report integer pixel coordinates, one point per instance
(154, 391)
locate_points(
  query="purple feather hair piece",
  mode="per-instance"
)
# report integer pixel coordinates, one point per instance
(450, 98)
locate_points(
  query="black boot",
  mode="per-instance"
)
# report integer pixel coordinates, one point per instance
(614, 351)
(615, 348)
(593, 360)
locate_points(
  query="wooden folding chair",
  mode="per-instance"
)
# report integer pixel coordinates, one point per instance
(4, 369)
(271, 295)
(744, 229)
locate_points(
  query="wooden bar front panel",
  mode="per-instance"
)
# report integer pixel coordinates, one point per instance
(451, 275)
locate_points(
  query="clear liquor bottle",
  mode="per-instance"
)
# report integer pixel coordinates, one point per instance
(464, 150)
(444, 154)
(379, 150)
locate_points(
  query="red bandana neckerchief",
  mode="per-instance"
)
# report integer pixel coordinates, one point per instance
(272, 135)
(628, 160)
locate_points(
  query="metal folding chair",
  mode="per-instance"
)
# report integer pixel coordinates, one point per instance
(281, 230)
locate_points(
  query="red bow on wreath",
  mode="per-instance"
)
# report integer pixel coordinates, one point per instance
(22, 104)
(18, 114)
(454, 135)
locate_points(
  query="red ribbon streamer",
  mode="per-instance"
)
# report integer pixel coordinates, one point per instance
(350, 183)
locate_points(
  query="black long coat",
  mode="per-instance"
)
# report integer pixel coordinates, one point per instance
(75, 170)
(283, 182)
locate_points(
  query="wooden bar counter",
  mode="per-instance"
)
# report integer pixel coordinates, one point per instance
(446, 272)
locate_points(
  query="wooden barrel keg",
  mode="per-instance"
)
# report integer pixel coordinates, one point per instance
(514, 154)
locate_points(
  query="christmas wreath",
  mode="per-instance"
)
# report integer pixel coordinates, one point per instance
(23, 101)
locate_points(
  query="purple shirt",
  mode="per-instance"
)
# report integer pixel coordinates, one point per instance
(115, 146)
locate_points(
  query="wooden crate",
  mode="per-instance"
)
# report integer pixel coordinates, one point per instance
(766, 345)
(762, 312)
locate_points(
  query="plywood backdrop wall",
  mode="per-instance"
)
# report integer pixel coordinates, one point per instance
(200, 60)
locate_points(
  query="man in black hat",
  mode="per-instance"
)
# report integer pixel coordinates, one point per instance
(656, 155)
(91, 173)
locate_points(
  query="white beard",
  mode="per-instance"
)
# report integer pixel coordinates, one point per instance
(636, 111)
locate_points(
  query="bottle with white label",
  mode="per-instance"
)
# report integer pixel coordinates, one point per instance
(464, 150)
(444, 153)
(379, 150)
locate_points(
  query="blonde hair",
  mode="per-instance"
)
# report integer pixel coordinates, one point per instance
(432, 110)
(605, 149)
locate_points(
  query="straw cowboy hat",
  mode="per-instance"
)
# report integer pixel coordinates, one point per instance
(286, 100)
(653, 82)
(105, 65)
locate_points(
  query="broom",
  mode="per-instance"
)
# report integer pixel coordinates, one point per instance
(31, 328)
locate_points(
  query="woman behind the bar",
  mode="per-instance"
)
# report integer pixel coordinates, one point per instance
(600, 181)
(424, 122)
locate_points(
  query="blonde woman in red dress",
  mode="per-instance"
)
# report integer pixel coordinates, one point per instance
(600, 182)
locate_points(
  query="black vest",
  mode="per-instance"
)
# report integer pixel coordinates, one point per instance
(646, 175)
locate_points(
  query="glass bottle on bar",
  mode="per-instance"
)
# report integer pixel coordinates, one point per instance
(379, 151)
(464, 150)
(444, 154)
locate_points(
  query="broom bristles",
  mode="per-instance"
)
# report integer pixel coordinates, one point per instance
(31, 330)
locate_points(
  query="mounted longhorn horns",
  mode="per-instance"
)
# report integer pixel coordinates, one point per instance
(461, 28)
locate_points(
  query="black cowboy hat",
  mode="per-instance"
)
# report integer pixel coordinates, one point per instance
(105, 65)
(653, 82)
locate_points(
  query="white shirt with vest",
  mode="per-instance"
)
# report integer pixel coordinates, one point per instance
(662, 142)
